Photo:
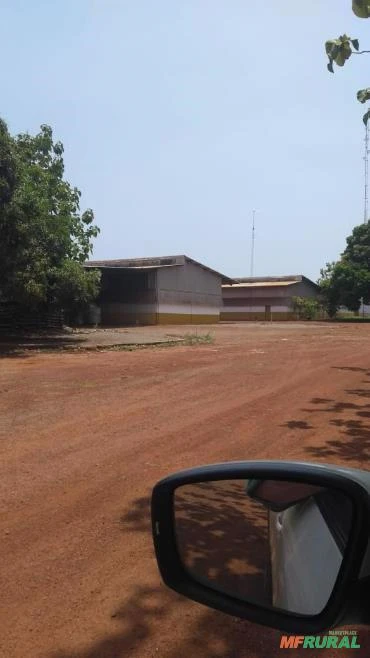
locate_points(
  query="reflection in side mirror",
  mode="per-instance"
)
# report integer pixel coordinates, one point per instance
(272, 543)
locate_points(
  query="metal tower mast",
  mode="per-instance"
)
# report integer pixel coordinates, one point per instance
(253, 236)
(366, 174)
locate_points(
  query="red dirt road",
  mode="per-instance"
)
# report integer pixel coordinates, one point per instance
(84, 438)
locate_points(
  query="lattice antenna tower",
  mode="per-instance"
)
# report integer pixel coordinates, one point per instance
(366, 175)
(253, 239)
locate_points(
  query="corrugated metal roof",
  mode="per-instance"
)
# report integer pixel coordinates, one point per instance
(139, 268)
(138, 263)
(262, 284)
(266, 279)
(272, 281)
(149, 267)
(153, 263)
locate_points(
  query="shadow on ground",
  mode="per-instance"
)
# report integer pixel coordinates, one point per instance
(297, 425)
(210, 635)
(24, 345)
(349, 421)
(213, 635)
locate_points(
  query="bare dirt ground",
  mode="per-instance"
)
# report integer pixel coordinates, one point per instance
(86, 435)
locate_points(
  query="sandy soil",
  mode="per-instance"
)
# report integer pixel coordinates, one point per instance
(86, 435)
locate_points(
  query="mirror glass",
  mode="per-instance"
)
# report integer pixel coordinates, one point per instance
(269, 542)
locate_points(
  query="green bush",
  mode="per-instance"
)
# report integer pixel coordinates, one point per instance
(307, 308)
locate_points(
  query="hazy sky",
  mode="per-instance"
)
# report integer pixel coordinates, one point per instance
(179, 117)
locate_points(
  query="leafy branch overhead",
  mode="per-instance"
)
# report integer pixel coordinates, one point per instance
(341, 49)
(361, 8)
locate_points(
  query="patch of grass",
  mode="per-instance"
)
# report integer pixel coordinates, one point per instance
(198, 339)
(187, 339)
(350, 319)
(138, 346)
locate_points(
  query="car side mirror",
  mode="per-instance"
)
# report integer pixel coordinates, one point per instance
(278, 543)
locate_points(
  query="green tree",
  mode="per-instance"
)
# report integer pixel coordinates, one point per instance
(357, 251)
(344, 283)
(346, 286)
(330, 293)
(45, 238)
(341, 49)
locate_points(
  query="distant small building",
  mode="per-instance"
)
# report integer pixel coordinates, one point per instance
(265, 298)
(167, 290)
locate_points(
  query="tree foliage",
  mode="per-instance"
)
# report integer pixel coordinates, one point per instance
(345, 285)
(361, 8)
(45, 238)
(341, 49)
(347, 282)
(306, 308)
(329, 290)
(357, 251)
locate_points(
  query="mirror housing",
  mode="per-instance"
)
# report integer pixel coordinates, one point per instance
(353, 483)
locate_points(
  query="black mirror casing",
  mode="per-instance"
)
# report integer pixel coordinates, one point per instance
(177, 578)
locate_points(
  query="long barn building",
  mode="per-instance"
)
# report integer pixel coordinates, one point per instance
(265, 298)
(167, 290)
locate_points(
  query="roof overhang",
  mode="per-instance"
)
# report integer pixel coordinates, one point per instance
(273, 281)
(264, 284)
(145, 264)
(136, 268)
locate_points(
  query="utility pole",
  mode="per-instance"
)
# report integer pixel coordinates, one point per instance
(253, 236)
